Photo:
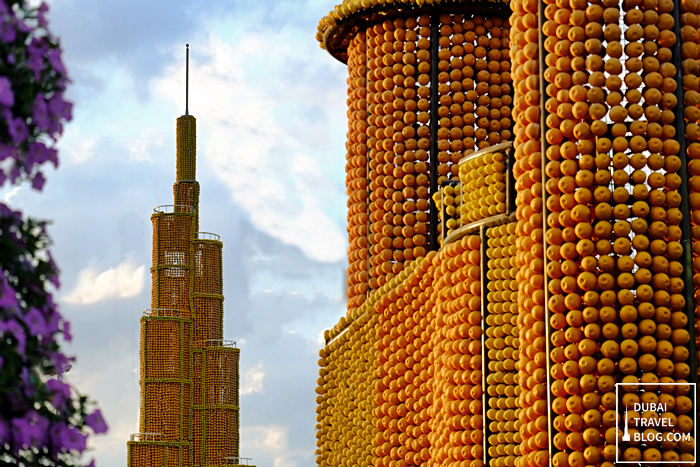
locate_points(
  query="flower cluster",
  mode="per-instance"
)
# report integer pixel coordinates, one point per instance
(33, 80)
(43, 421)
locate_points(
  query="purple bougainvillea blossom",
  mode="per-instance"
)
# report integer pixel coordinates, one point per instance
(60, 392)
(36, 410)
(96, 422)
(7, 97)
(30, 430)
(35, 322)
(41, 15)
(41, 113)
(14, 328)
(8, 298)
(67, 438)
(38, 181)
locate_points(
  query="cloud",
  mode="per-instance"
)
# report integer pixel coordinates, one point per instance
(272, 439)
(140, 149)
(252, 379)
(263, 146)
(11, 194)
(124, 281)
(76, 146)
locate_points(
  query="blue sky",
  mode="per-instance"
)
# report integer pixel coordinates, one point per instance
(270, 108)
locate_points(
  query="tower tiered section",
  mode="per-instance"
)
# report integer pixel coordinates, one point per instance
(189, 375)
(524, 235)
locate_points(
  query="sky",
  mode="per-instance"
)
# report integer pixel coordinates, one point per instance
(271, 124)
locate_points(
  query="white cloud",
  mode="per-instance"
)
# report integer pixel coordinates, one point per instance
(272, 439)
(259, 148)
(140, 149)
(79, 148)
(252, 380)
(12, 193)
(125, 280)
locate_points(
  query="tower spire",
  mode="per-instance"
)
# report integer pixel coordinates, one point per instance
(187, 78)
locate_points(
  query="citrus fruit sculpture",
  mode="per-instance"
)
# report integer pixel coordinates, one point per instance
(189, 378)
(524, 230)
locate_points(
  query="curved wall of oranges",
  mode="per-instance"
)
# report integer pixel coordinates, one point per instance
(508, 347)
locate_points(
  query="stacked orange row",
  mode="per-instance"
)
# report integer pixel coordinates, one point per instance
(458, 413)
(532, 373)
(502, 341)
(403, 389)
(356, 170)
(398, 80)
(613, 233)
(690, 54)
(473, 88)
(346, 424)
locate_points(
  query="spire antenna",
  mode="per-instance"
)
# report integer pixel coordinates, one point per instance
(187, 79)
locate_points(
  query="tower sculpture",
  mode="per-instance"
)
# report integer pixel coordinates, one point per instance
(524, 234)
(189, 375)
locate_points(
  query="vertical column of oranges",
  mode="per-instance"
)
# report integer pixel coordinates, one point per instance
(398, 94)
(457, 423)
(690, 52)
(502, 342)
(527, 170)
(652, 337)
(419, 390)
(346, 425)
(356, 169)
(573, 45)
(401, 389)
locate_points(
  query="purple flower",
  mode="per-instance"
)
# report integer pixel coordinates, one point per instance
(13, 327)
(66, 331)
(7, 31)
(8, 298)
(96, 422)
(7, 97)
(60, 392)
(41, 113)
(7, 152)
(42, 15)
(38, 181)
(60, 361)
(53, 323)
(60, 108)
(65, 438)
(15, 127)
(29, 430)
(55, 61)
(35, 322)
(2, 360)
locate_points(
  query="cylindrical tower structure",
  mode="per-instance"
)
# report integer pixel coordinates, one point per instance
(216, 404)
(427, 86)
(558, 315)
(166, 374)
(207, 289)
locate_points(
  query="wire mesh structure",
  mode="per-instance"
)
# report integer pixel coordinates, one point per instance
(207, 290)
(189, 414)
(216, 403)
(166, 374)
